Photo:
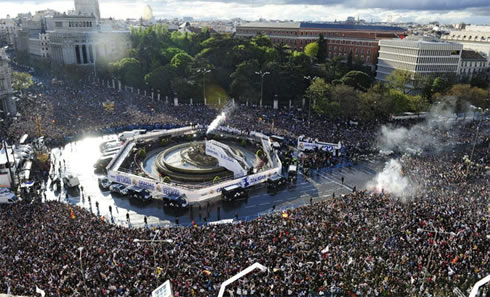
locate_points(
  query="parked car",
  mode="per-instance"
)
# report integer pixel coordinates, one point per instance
(139, 193)
(104, 182)
(6, 196)
(118, 189)
(276, 181)
(70, 181)
(177, 201)
(233, 192)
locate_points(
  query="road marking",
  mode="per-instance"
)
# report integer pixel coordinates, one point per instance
(250, 206)
(335, 182)
(264, 203)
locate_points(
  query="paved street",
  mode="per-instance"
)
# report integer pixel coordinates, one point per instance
(79, 157)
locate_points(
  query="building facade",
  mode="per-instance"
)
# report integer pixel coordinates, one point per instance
(7, 106)
(87, 8)
(340, 39)
(474, 38)
(77, 40)
(472, 64)
(419, 57)
(8, 27)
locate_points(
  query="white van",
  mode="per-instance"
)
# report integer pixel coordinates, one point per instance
(7, 197)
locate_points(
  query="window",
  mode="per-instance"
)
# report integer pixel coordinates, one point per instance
(58, 24)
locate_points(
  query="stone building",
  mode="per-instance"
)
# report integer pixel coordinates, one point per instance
(340, 39)
(7, 106)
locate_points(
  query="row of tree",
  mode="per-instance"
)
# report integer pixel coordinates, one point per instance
(196, 65)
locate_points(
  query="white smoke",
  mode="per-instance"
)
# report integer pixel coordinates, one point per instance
(423, 135)
(221, 118)
(392, 181)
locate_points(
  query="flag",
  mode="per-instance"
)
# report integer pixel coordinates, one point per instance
(72, 214)
(40, 291)
(159, 270)
(285, 215)
(206, 272)
(455, 260)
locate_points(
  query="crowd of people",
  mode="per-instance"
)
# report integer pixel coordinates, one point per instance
(59, 110)
(360, 244)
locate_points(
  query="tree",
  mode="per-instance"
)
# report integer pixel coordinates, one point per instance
(182, 62)
(466, 94)
(479, 80)
(346, 98)
(161, 78)
(317, 94)
(130, 71)
(357, 79)
(349, 60)
(399, 80)
(440, 85)
(244, 84)
(375, 104)
(322, 49)
(311, 50)
(21, 80)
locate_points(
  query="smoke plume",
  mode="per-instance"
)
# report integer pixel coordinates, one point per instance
(422, 136)
(392, 180)
(221, 118)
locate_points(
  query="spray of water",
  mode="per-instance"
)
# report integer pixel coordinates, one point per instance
(392, 180)
(221, 118)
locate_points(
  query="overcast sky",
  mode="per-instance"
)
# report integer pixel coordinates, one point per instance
(422, 11)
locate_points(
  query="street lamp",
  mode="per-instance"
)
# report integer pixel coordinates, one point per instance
(309, 100)
(81, 270)
(262, 74)
(153, 241)
(203, 71)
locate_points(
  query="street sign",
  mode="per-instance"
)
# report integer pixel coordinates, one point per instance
(165, 290)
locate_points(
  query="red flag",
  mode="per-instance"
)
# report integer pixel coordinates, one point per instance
(72, 214)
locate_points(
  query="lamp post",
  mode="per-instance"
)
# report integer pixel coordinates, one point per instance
(81, 270)
(262, 74)
(203, 71)
(152, 242)
(309, 101)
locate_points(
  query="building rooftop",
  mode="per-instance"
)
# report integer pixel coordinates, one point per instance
(333, 26)
(352, 27)
(285, 25)
(472, 55)
(422, 43)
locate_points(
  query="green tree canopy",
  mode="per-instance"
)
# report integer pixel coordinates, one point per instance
(311, 50)
(357, 79)
(130, 71)
(21, 80)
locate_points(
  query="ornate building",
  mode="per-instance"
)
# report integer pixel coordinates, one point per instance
(7, 105)
(87, 8)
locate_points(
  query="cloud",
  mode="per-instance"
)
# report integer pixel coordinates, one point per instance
(444, 11)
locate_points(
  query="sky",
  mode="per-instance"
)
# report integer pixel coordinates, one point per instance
(420, 11)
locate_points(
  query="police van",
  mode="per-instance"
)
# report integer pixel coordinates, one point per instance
(233, 192)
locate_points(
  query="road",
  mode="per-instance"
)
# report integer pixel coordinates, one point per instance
(77, 158)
